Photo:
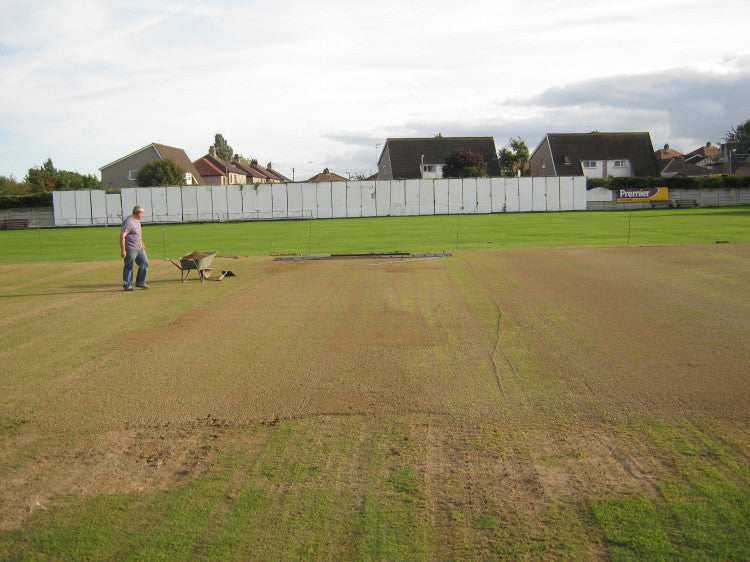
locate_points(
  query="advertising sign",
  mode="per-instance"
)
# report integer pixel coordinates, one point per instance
(638, 195)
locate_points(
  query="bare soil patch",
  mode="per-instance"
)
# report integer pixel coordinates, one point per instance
(548, 346)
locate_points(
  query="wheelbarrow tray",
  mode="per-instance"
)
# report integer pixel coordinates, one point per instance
(197, 260)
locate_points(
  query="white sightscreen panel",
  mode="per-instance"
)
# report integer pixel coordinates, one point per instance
(127, 200)
(294, 203)
(538, 194)
(263, 201)
(383, 198)
(469, 200)
(441, 196)
(83, 207)
(369, 208)
(426, 197)
(323, 194)
(484, 195)
(189, 202)
(338, 198)
(56, 212)
(412, 197)
(143, 198)
(553, 193)
(498, 194)
(158, 203)
(234, 202)
(309, 201)
(398, 198)
(67, 207)
(205, 203)
(249, 193)
(279, 201)
(353, 199)
(114, 208)
(455, 196)
(98, 207)
(512, 200)
(566, 194)
(579, 193)
(174, 204)
(219, 208)
(525, 195)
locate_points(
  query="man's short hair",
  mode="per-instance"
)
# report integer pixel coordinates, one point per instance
(137, 209)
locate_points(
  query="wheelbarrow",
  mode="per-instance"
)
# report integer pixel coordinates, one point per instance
(199, 261)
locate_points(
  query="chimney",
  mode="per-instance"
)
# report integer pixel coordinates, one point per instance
(212, 150)
(326, 172)
(269, 166)
(254, 161)
(708, 143)
(236, 158)
(666, 147)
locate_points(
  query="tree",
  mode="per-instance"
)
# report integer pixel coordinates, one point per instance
(160, 173)
(740, 133)
(223, 150)
(463, 163)
(10, 186)
(514, 159)
(46, 178)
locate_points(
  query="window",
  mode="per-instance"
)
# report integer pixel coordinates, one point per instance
(188, 178)
(621, 164)
(132, 175)
(588, 163)
(428, 168)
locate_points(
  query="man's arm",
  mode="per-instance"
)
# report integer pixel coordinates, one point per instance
(123, 234)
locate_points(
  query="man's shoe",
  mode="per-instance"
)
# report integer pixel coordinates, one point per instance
(144, 286)
(128, 288)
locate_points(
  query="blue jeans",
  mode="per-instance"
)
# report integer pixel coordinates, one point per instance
(137, 257)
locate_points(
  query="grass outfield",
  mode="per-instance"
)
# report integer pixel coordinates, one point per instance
(568, 402)
(427, 233)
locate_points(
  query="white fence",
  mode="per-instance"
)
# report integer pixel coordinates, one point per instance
(192, 203)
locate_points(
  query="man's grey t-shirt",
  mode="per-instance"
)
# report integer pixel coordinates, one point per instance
(132, 227)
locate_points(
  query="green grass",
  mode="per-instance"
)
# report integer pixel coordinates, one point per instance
(426, 233)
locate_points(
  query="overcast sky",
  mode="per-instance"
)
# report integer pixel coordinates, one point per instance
(309, 85)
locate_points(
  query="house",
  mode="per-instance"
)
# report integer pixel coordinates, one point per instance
(122, 173)
(216, 171)
(253, 172)
(327, 175)
(413, 158)
(679, 167)
(708, 156)
(667, 153)
(736, 158)
(595, 155)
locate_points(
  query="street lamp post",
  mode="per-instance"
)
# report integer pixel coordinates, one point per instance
(730, 159)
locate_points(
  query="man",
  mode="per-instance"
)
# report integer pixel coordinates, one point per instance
(133, 250)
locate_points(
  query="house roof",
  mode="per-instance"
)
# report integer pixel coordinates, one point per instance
(206, 168)
(708, 150)
(176, 155)
(252, 170)
(281, 177)
(406, 154)
(327, 175)
(568, 149)
(678, 166)
(666, 153)
(223, 166)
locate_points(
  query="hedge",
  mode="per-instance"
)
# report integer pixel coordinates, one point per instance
(25, 201)
(704, 182)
